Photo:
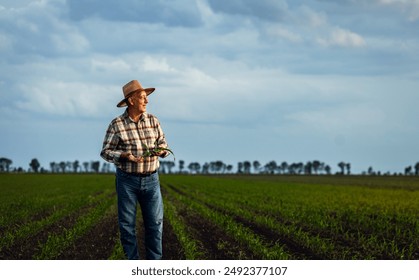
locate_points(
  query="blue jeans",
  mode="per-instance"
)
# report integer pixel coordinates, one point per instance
(146, 191)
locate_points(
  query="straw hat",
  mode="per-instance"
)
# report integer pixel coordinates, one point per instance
(130, 88)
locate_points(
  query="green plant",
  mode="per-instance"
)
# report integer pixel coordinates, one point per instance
(153, 151)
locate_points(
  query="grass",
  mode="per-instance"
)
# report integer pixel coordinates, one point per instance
(218, 217)
(324, 217)
(189, 245)
(57, 243)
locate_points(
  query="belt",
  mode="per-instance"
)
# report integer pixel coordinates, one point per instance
(140, 174)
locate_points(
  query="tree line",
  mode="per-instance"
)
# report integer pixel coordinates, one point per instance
(57, 167)
(314, 167)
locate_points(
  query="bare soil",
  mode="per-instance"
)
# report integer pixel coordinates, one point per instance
(96, 244)
(25, 249)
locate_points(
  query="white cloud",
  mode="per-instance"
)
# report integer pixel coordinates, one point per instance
(306, 16)
(65, 98)
(342, 38)
(110, 64)
(223, 67)
(304, 24)
(262, 9)
(27, 25)
(70, 43)
(317, 26)
(156, 65)
(282, 32)
(38, 28)
(410, 7)
(353, 119)
(13, 4)
(5, 42)
(207, 14)
(178, 13)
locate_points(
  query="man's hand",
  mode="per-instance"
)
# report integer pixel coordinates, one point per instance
(131, 157)
(159, 153)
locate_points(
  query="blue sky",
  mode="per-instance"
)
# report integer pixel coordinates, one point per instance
(236, 80)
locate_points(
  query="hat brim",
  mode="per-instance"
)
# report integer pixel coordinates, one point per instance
(123, 102)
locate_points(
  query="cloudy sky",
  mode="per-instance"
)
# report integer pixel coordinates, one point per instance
(236, 80)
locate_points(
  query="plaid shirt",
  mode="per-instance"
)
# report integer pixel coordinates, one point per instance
(125, 135)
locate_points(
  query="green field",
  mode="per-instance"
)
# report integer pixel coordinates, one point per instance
(209, 217)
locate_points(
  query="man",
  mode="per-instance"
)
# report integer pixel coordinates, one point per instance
(128, 137)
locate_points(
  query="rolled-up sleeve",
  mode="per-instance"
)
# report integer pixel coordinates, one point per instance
(110, 143)
(126, 136)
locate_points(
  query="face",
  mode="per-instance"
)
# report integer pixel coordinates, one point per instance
(139, 101)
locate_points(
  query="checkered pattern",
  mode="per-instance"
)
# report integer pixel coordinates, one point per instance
(125, 135)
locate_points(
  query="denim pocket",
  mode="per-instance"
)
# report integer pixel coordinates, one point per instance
(154, 178)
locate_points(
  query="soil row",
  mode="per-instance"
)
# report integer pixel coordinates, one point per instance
(212, 240)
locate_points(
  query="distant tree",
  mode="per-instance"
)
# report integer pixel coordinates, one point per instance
(417, 169)
(62, 165)
(34, 164)
(256, 166)
(292, 168)
(240, 167)
(296, 168)
(299, 168)
(271, 167)
(246, 167)
(5, 164)
(55, 167)
(219, 166)
(284, 167)
(95, 165)
(170, 164)
(328, 170)
(162, 168)
(86, 166)
(316, 166)
(194, 167)
(408, 170)
(76, 166)
(342, 166)
(308, 168)
(181, 165)
(370, 171)
(348, 168)
(106, 167)
(205, 168)
(229, 168)
(215, 166)
(68, 166)
(212, 167)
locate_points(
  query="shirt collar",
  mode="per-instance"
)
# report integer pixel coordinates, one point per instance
(128, 119)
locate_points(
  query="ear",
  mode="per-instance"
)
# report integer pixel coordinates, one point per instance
(129, 101)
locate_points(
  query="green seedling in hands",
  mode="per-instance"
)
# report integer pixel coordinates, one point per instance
(151, 152)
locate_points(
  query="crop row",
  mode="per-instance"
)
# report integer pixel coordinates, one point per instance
(66, 217)
(256, 217)
(42, 216)
(306, 221)
(242, 238)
